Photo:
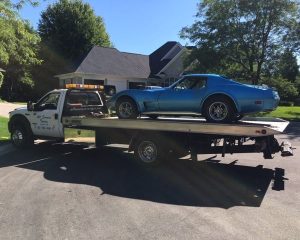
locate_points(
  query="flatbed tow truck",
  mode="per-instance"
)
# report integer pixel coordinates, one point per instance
(150, 140)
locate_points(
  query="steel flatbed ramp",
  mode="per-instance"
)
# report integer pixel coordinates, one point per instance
(250, 127)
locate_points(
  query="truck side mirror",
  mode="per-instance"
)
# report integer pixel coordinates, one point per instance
(30, 106)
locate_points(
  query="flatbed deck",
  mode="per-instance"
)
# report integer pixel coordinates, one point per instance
(248, 127)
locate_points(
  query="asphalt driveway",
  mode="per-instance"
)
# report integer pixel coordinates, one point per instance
(74, 192)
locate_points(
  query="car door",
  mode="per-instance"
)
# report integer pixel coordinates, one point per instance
(45, 119)
(185, 96)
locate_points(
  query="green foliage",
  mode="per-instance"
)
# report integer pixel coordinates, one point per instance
(288, 67)
(18, 51)
(240, 35)
(68, 29)
(286, 103)
(1, 79)
(285, 88)
(71, 28)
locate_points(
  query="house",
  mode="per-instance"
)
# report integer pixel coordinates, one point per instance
(109, 66)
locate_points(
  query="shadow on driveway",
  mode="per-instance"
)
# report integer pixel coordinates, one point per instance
(293, 131)
(181, 182)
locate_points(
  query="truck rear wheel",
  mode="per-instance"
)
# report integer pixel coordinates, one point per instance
(148, 152)
(21, 137)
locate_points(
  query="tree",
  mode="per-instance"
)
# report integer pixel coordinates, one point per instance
(242, 33)
(288, 66)
(68, 29)
(18, 51)
(71, 28)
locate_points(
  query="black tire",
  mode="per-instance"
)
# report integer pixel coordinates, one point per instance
(130, 113)
(148, 152)
(219, 110)
(239, 117)
(21, 136)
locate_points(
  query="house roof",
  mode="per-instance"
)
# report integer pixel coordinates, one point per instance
(110, 61)
(162, 56)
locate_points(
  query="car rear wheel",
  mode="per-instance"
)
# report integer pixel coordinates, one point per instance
(218, 110)
(126, 109)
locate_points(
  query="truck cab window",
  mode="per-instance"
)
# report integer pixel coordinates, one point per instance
(48, 102)
(84, 98)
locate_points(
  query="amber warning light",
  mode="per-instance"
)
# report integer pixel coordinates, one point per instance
(84, 86)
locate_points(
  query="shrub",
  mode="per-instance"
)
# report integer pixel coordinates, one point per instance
(286, 103)
(297, 102)
(286, 89)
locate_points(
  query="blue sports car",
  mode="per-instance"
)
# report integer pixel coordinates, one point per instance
(215, 97)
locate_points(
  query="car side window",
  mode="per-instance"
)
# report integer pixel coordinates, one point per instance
(191, 83)
(49, 102)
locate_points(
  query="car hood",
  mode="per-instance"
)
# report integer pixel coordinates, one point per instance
(135, 92)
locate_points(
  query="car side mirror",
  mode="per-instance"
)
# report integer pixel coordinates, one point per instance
(30, 106)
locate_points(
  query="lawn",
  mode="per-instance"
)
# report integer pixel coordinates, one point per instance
(73, 133)
(288, 113)
(4, 134)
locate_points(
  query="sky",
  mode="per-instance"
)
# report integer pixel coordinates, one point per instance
(137, 26)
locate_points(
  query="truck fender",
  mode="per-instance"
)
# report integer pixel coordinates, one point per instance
(18, 119)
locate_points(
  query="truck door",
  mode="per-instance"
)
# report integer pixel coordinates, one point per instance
(45, 119)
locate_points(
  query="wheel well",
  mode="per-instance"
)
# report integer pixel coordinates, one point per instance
(128, 97)
(18, 119)
(223, 96)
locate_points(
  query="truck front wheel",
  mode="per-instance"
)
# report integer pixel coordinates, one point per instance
(21, 137)
(148, 152)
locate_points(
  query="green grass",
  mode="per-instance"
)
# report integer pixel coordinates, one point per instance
(73, 133)
(288, 113)
(4, 134)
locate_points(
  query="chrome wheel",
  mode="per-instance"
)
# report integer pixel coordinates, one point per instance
(126, 109)
(147, 151)
(218, 111)
(17, 137)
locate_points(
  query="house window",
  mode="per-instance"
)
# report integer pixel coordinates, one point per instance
(136, 85)
(93, 82)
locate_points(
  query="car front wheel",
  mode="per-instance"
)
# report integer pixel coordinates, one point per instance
(126, 109)
(218, 110)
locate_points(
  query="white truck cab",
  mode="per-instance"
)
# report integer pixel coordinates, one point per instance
(43, 120)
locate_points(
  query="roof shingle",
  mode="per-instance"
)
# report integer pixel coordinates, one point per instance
(110, 61)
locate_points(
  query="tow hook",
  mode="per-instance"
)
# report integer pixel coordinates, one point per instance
(286, 149)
